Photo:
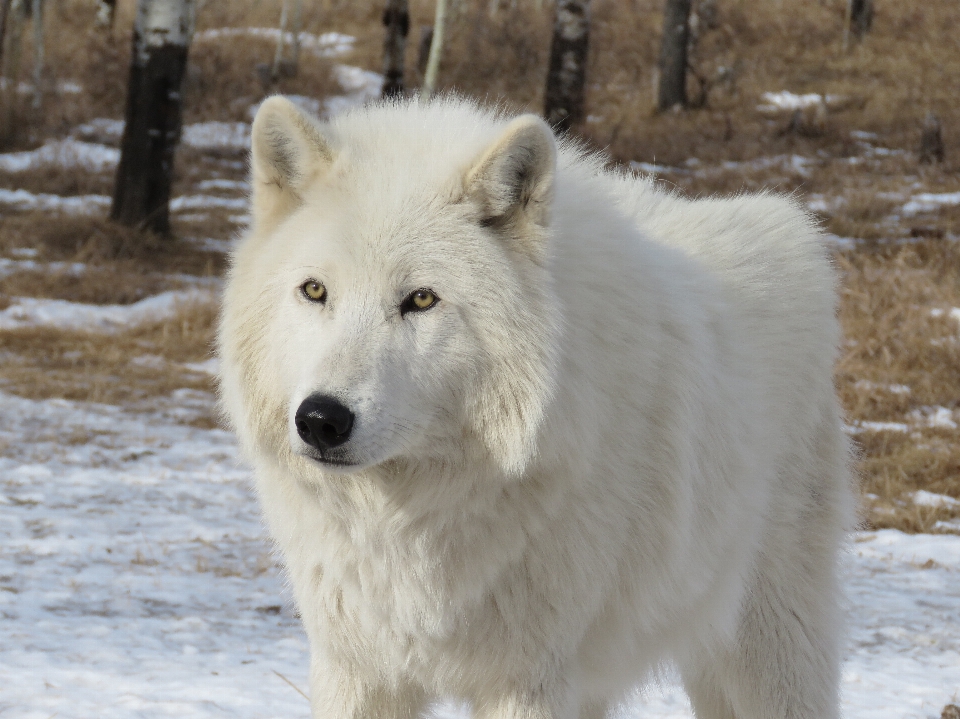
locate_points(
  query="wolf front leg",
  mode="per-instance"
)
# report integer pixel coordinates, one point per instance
(337, 693)
(549, 700)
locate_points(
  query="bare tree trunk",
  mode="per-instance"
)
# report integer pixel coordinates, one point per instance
(37, 54)
(161, 39)
(423, 51)
(567, 73)
(4, 12)
(12, 69)
(861, 17)
(396, 18)
(297, 27)
(278, 55)
(673, 55)
(436, 47)
(931, 140)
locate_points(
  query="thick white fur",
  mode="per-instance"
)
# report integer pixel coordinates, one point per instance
(613, 443)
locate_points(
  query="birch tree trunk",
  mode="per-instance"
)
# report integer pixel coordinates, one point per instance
(396, 18)
(161, 39)
(281, 37)
(297, 28)
(567, 73)
(672, 89)
(37, 12)
(436, 47)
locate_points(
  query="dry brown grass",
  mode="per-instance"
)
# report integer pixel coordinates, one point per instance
(123, 368)
(900, 361)
(102, 244)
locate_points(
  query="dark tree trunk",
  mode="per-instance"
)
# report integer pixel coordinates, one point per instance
(396, 18)
(4, 11)
(931, 140)
(567, 73)
(861, 17)
(141, 196)
(672, 90)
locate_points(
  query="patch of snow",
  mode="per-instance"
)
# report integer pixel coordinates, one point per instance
(844, 243)
(210, 366)
(953, 312)
(891, 388)
(218, 184)
(329, 44)
(102, 128)
(74, 205)
(361, 86)
(39, 312)
(28, 252)
(930, 201)
(785, 100)
(62, 87)
(149, 361)
(9, 267)
(199, 202)
(211, 244)
(929, 499)
(67, 153)
(651, 168)
(136, 579)
(194, 217)
(217, 135)
(860, 426)
(788, 101)
(934, 417)
(862, 135)
(797, 163)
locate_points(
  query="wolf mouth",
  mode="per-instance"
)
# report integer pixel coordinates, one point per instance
(330, 461)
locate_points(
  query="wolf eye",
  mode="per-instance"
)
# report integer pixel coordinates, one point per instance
(314, 291)
(419, 301)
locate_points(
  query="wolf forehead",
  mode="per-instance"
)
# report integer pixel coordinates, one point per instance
(393, 152)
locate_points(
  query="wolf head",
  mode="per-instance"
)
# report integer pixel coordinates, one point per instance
(392, 300)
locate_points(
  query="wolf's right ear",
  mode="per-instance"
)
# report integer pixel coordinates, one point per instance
(513, 180)
(287, 152)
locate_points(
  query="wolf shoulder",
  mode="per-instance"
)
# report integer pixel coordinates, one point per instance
(764, 244)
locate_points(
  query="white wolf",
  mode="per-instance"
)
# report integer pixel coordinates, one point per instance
(526, 429)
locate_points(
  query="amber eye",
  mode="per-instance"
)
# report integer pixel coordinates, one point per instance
(314, 291)
(419, 301)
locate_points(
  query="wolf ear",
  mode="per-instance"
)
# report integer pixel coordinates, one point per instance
(287, 152)
(513, 180)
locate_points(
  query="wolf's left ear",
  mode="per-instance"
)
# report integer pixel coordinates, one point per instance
(287, 151)
(513, 180)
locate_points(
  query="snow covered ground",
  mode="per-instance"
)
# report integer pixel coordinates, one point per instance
(136, 581)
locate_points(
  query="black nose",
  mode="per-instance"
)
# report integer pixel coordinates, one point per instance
(323, 422)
